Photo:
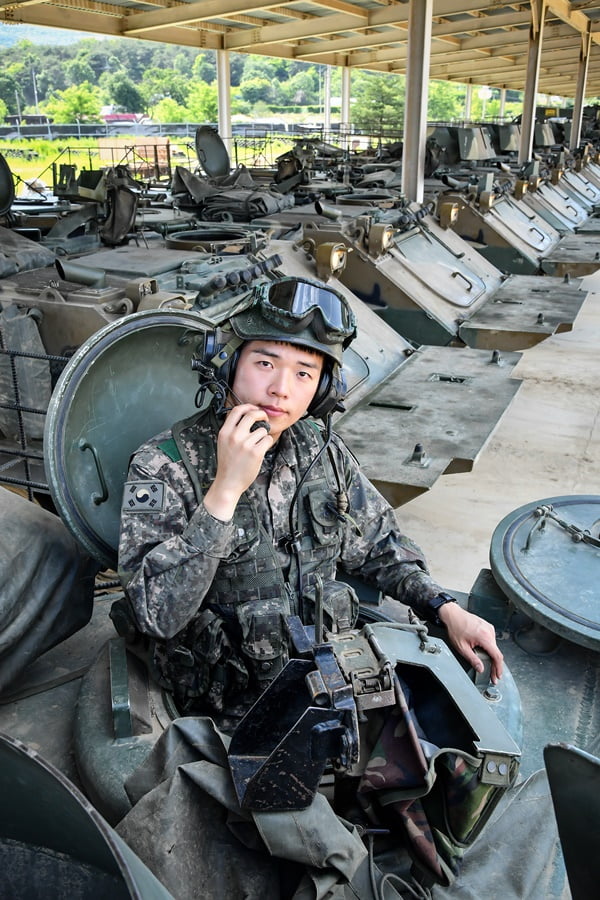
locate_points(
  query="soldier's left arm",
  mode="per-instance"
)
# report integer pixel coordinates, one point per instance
(373, 546)
(375, 549)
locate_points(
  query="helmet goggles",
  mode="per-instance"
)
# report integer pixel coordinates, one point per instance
(294, 304)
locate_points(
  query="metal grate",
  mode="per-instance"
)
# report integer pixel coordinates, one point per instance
(22, 458)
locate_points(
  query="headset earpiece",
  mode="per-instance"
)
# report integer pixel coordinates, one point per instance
(216, 363)
(330, 392)
(221, 352)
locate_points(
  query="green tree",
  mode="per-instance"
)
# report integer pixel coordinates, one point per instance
(204, 68)
(122, 92)
(302, 88)
(445, 100)
(23, 69)
(236, 68)
(157, 85)
(79, 102)
(8, 91)
(3, 110)
(267, 67)
(379, 102)
(255, 89)
(238, 104)
(202, 102)
(79, 70)
(183, 64)
(52, 76)
(169, 110)
(97, 55)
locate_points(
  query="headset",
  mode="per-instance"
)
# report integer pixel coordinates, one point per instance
(217, 361)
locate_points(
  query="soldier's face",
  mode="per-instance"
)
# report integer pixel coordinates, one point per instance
(280, 378)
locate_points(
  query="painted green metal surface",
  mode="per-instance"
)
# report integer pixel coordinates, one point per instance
(550, 570)
(50, 835)
(128, 382)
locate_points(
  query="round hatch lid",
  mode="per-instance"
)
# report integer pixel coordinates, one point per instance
(128, 382)
(7, 187)
(546, 558)
(212, 152)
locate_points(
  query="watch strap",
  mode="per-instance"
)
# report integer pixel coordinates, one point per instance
(433, 606)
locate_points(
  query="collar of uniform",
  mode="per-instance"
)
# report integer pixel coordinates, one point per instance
(285, 451)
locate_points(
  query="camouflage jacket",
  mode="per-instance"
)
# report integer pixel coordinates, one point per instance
(212, 593)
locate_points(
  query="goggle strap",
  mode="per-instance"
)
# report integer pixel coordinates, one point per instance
(226, 352)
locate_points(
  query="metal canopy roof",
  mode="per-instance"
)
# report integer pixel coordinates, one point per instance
(473, 41)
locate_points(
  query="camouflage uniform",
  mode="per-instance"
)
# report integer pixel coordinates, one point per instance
(214, 595)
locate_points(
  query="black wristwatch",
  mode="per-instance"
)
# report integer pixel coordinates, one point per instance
(434, 604)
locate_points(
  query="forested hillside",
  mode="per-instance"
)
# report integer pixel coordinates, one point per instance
(76, 81)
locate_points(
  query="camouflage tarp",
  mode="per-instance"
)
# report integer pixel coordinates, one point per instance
(187, 826)
(432, 796)
(18, 253)
(46, 584)
(243, 205)
(518, 855)
(25, 379)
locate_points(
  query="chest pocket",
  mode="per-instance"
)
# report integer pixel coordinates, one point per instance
(321, 508)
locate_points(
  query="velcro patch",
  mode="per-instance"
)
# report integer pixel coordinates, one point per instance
(143, 496)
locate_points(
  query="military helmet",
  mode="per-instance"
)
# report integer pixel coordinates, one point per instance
(298, 311)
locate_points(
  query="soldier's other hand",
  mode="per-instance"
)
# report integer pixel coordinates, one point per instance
(467, 631)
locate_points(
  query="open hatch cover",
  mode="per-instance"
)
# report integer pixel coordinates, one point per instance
(126, 383)
(546, 558)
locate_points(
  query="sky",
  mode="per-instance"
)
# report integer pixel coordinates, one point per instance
(12, 34)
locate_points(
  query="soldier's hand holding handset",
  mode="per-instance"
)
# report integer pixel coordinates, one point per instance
(240, 452)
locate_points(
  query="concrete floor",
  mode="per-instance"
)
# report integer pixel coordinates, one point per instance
(546, 445)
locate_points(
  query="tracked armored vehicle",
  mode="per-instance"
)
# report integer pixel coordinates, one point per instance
(130, 714)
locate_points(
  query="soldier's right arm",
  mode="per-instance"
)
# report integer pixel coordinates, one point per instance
(240, 453)
(169, 546)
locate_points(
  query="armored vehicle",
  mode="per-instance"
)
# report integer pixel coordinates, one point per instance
(100, 408)
(434, 287)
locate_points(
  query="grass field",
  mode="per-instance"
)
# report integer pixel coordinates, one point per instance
(35, 159)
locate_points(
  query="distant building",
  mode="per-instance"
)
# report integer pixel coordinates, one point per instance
(28, 119)
(112, 118)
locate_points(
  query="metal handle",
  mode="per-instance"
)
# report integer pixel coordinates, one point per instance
(119, 689)
(103, 497)
(539, 231)
(458, 274)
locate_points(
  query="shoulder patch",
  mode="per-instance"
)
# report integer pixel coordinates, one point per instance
(170, 449)
(143, 496)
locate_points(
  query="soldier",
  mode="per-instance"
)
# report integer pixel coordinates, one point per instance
(243, 514)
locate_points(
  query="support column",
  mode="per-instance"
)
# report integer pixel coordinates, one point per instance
(345, 110)
(536, 34)
(327, 100)
(224, 96)
(468, 102)
(502, 110)
(582, 72)
(415, 110)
